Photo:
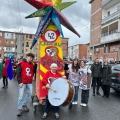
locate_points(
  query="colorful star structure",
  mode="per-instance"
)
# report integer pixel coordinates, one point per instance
(49, 11)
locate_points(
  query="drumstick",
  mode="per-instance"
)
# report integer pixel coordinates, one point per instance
(52, 89)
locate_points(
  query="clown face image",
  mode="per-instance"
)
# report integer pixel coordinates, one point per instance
(50, 52)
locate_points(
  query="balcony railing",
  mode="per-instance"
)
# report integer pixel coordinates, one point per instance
(113, 16)
(111, 38)
(104, 2)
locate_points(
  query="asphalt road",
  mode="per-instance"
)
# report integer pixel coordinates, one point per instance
(99, 108)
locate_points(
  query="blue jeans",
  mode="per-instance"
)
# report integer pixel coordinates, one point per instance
(76, 93)
(28, 88)
(85, 96)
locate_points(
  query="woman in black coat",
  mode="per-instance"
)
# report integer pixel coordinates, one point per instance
(106, 79)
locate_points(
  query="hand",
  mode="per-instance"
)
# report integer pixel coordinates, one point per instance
(20, 85)
(48, 86)
(64, 77)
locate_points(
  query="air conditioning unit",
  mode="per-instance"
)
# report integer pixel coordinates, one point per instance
(97, 49)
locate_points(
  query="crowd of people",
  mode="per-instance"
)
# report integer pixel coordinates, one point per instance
(75, 71)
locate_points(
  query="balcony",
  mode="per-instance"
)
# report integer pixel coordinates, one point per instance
(112, 17)
(109, 3)
(110, 38)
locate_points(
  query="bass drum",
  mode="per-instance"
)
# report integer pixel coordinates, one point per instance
(64, 92)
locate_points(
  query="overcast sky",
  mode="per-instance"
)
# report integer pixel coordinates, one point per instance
(78, 15)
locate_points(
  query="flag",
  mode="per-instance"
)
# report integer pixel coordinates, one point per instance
(56, 21)
(10, 70)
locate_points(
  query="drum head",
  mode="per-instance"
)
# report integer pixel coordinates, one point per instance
(62, 88)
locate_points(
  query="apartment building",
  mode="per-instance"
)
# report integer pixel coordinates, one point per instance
(78, 51)
(105, 29)
(10, 42)
(2, 44)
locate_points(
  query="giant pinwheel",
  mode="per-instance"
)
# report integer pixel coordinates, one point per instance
(49, 11)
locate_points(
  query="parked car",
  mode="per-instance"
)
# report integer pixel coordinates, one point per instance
(115, 77)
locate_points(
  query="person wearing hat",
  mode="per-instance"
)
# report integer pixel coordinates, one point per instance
(25, 73)
(48, 78)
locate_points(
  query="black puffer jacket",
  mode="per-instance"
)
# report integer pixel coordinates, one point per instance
(106, 75)
(96, 70)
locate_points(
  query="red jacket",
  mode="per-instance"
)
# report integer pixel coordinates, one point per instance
(4, 70)
(48, 75)
(27, 72)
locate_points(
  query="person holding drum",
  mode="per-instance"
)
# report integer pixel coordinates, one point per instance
(84, 83)
(48, 78)
(74, 78)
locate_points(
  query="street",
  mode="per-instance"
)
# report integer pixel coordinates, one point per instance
(99, 108)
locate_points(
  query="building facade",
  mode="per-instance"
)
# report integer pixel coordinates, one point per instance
(19, 44)
(105, 29)
(78, 51)
(65, 46)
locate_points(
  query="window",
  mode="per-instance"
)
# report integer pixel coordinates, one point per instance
(22, 51)
(16, 46)
(27, 44)
(26, 36)
(104, 49)
(30, 36)
(108, 13)
(108, 49)
(6, 41)
(12, 42)
(26, 50)
(0, 34)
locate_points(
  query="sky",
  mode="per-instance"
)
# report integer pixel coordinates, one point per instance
(13, 13)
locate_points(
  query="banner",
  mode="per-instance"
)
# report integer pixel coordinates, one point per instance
(50, 52)
(56, 21)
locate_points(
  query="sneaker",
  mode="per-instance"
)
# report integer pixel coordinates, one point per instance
(84, 105)
(98, 94)
(75, 103)
(44, 115)
(19, 113)
(57, 116)
(3, 87)
(81, 104)
(25, 108)
(93, 94)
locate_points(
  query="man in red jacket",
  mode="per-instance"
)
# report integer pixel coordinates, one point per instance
(47, 80)
(25, 73)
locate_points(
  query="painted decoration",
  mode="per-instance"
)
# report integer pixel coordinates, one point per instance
(50, 52)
